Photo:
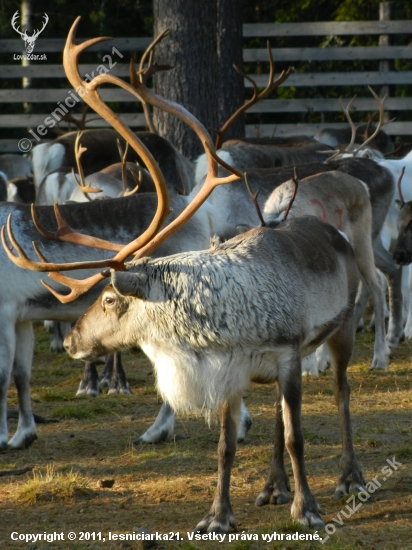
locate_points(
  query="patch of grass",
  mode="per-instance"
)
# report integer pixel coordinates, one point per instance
(312, 437)
(404, 453)
(54, 486)
(79, 413)
(53, 394)
(60, 361)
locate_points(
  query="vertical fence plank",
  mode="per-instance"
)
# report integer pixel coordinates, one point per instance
(384, 15)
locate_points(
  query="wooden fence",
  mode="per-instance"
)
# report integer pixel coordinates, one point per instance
(295, 55)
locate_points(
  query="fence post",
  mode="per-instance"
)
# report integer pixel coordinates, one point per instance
(384, 15)
(26, 24)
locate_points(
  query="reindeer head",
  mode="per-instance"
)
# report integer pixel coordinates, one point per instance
(28, 40)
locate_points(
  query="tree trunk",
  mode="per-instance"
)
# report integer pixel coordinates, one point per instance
(195, 82)
(230, 52)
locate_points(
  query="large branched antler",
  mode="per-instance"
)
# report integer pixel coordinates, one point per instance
(148, 241)
(348, 151)
(271, 85)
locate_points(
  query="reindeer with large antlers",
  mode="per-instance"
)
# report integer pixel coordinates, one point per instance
(24, 298)
(213, 321)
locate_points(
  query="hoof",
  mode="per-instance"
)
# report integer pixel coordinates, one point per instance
(393, 341)
(352, 481)
(211, 524)
(270, 498)
(56, 347)
(23, 443)
(161, 437)
(311, 520)
(379, 365)
(275, 493)
(87, 388)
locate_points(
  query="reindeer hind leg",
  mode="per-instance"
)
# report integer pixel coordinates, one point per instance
(305, 509)
(340, 348)
(277, 484)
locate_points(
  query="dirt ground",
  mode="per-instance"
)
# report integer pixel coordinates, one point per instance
(168, 488)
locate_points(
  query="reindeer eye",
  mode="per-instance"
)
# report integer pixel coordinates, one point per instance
(108, 300)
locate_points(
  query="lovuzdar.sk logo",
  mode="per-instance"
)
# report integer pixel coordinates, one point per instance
(29, 41)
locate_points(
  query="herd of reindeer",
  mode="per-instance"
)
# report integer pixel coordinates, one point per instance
(218, 287)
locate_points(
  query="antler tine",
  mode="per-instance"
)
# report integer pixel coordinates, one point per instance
(349, 119)
(254, 197)
(399, 186)
(381, 104)
(66, 234)
(23, 261)
(123, 157)
(222, 132)
(77, 287)
(76, 49)
(137, 180)
(271, 85)
(145, 74)
(78, 151)
(151, 47)
(341, 150)
(296, 182)
(85, 189)
(369, 125)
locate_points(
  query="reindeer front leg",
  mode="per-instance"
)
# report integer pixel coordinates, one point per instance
(277, 484)
(26, 429)
(304, 507)
(221, 517)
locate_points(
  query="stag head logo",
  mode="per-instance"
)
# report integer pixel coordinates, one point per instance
(28, 40)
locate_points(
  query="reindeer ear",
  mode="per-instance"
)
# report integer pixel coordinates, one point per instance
(399, 204)
(130, 284)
